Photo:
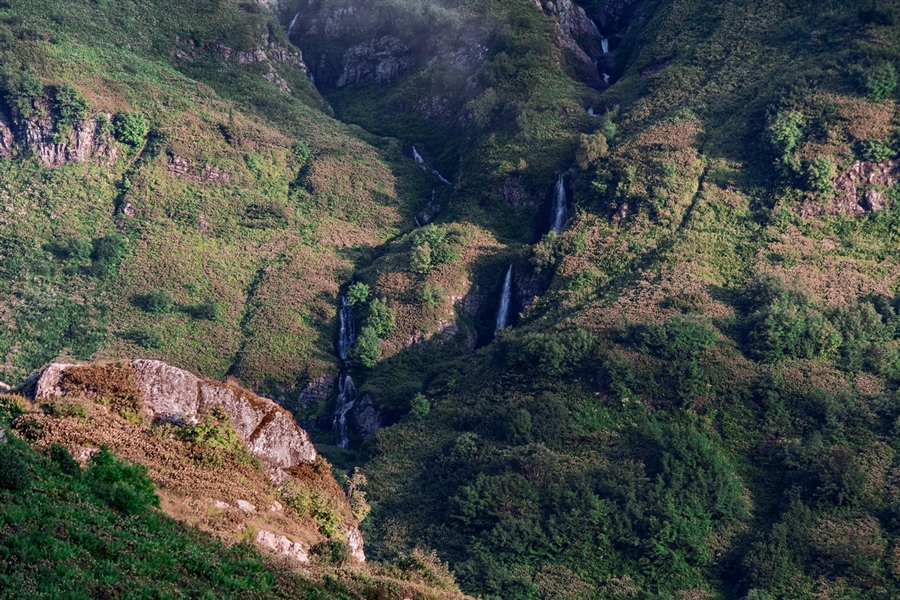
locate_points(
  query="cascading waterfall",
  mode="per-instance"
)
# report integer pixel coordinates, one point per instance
(605, 77)
(441, 177)
(505, 296)
(604, 44)
(347, 332)
(560, 211)
(590, 110)
(291, 26)
(596, 29)
(345, 400)
(418, 157)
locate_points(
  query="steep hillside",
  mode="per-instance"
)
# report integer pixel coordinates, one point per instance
(600, 296)
(147, 214)
(82, 500)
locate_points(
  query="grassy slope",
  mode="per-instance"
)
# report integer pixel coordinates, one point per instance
(270, 247)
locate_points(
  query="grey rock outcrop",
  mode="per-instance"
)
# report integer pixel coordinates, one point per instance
(282, 545)
(366, 418)
(268, 430)
(858, 190)
(383, 61)
(355, 541)
(85, 142)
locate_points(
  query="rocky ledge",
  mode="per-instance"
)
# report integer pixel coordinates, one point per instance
(168, 392)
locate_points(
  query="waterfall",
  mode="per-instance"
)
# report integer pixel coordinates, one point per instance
(347, 332)
(596, 29)
(431, 202)
(560, 213)
(416, 219)
(590, 110)
(604, 45)
(503, 311)
(606, 78)
(291, 26)
(312, 79)
(441, 177)
(345, 400)
(418, 157)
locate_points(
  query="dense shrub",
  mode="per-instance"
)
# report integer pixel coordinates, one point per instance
(357, 294)
(131, 128)
(881, 81)
(820, 173)
(381, 318)
(785, 132)
(366, 348)
(331, 552)
(157, 302)
(553, 354)
(124, 487)
(107, 252)
(14, 473)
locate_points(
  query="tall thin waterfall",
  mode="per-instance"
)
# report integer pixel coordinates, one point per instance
(291, 26)
(505, 296)
(595, 28)
(604, 44)
(418, 157)
(345, 400)
(347, 332)
(441, 177)
(560, 212)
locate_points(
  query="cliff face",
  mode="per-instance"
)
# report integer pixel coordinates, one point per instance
(85, 142)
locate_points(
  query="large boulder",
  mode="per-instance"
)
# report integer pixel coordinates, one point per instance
(268, 430)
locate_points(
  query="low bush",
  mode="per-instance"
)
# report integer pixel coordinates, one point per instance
(131, 128)
(124, 487)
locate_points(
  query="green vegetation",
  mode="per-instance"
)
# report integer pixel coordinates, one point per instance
(699, 396)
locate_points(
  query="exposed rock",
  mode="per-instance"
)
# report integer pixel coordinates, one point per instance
(857, 190)
(571, 18)
(246, 414)
(178, 165)
(128, 210)
(514, 194)
(317, 390)
(220, 505)
(276, 507)
(245, 507)
(2, 436)
(355, 541)
(7, 140)
(182, 167)
(365, 418)
(242, 57)
(5, 388)
(582, 65)
(655, 69)
(281, 441)
(268, 430)
(383, 61)
(83, 143)
(167, 390)
(86, 453)
(282, 545)
(50, 384)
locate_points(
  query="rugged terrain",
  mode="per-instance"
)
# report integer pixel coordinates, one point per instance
(684, 212)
